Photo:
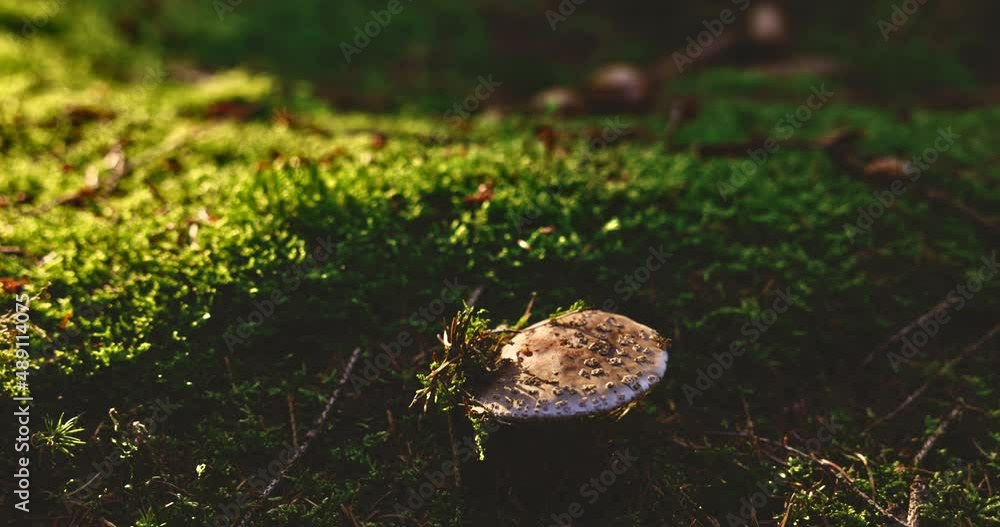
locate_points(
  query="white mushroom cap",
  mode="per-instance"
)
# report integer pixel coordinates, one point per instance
(581, 363)
(619, 86)
(559, 99)
(766, 24)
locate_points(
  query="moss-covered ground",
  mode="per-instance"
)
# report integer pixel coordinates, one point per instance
(202, 258)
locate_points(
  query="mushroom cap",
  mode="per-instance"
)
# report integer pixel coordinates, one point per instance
(619, 87)
(581, 363)
(766, 24)
(560, 99)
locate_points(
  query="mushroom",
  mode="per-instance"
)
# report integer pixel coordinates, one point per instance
(560, 100)
(577, 364)
(767, 26)
(619, 88)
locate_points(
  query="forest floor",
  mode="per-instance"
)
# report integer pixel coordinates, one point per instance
(202, 257)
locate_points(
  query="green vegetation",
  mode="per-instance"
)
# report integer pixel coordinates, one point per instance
(59, 435)
(224, 244)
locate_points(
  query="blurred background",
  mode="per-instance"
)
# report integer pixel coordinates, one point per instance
(431, 53)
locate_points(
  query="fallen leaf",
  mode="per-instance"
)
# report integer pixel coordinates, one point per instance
(890, 167)
(840, 137)
(482, 194)
(11, 285)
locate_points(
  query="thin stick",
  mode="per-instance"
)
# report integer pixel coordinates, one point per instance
(942, 427)
(943, 196)
(939, 307)
(868, 469)
(318, 426)
(474, 296)
(788, 511)
(918, 488)
(454, 452)
(966, 352)
(523, 321)
(831, 467)
(85, 485)
(291, 418)
(906, 402)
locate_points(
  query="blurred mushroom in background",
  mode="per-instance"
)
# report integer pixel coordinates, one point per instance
(619, 88)
(558, 100)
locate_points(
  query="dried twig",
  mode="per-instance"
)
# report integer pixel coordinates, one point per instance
(318, 426)
(919, 487)
(474, 296)
(291, 420)
(788, 511)
(526, 316)
(965, 353)
(830, 467)
(939, 307)
(455, 460)
(937, 195)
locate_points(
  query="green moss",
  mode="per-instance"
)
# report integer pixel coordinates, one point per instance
(152, 289)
